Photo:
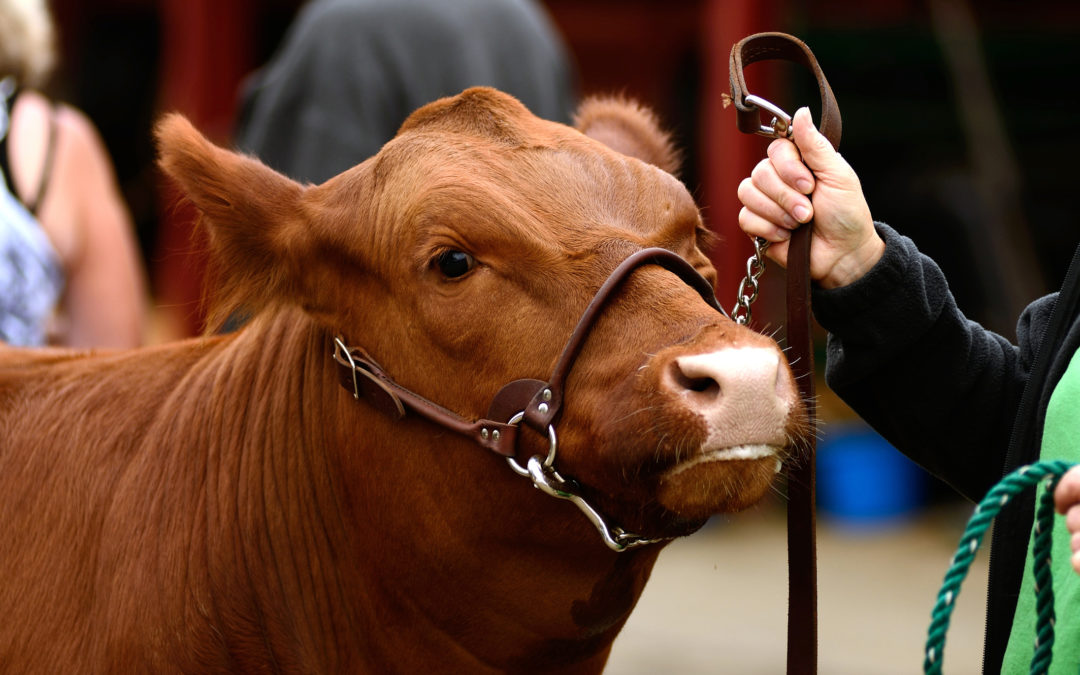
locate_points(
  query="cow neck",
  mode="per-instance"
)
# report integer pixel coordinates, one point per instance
(270, 472)
(535, 404)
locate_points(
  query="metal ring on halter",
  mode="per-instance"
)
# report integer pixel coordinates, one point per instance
(548, 481)
(553, 444)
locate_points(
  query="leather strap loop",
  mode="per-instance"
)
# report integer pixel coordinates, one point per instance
(783, 47)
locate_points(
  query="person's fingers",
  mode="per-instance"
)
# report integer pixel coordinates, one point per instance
(789, 166)
(778, 248)
(816, 151)
(1072, 522)
(766, 179)
(763, 205)
(755, 225)
(1067, 493)
(1075, 542)
(1072, 518)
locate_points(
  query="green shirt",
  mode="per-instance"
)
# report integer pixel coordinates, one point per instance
(1061, 440)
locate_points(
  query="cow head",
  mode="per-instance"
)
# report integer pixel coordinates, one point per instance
(461, 257)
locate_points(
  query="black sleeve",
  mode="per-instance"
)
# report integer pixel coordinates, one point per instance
(942, 389)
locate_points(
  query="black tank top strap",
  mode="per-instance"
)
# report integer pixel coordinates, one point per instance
(8, 103)
(5, 167)
(46, 169)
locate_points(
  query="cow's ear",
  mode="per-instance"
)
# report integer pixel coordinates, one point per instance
(628, 127)
(251, 215)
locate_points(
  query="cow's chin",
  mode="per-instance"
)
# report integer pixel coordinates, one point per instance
(718, 481)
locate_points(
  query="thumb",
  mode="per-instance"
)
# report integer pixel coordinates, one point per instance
(817, 152)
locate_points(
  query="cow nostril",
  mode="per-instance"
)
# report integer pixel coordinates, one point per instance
(721, 382)
(700, 385)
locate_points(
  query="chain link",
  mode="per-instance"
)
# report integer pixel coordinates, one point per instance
(755, 267)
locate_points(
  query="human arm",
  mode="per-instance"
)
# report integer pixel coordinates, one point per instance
(803, 180)
(939, 387)
(85, 216)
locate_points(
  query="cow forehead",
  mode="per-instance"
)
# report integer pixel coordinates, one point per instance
(566, 197)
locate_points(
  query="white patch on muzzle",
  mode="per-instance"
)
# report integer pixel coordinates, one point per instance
(725, 455)
(743, 395)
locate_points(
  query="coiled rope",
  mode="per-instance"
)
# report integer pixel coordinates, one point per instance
(1010, 486)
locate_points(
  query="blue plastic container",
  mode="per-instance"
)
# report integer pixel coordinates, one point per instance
(863, 481)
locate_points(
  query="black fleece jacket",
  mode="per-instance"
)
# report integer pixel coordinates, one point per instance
(962, 401)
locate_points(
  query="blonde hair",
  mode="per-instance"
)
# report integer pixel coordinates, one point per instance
(27, 41)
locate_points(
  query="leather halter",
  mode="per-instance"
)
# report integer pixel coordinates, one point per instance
(532, 403)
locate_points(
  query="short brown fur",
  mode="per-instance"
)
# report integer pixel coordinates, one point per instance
(223, 505)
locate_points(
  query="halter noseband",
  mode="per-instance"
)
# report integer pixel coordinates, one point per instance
(532, 403)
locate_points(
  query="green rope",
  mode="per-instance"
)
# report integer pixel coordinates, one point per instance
(985, 512)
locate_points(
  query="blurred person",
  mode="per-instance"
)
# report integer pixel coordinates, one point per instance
(69, 267)
(960, 400)
(350, 71)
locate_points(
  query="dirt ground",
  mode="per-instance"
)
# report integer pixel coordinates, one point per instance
(717, 601)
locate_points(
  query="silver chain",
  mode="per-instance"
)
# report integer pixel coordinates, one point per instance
(755, 267)
(779, 127)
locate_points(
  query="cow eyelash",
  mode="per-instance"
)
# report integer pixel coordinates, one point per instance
(706, 238)
(453, 263)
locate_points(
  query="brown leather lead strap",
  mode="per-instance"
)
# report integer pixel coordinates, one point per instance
(802, 518)
(801, 531)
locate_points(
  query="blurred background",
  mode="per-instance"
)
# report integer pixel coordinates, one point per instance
(960, 118)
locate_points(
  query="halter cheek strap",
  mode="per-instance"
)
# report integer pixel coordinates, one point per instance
(365, 379)
(524, 402)
(538, 402)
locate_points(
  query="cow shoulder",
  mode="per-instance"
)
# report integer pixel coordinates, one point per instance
(628, 127)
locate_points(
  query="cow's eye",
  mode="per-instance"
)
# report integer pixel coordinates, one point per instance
(454, 263)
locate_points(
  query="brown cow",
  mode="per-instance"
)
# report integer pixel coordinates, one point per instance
(224, 504)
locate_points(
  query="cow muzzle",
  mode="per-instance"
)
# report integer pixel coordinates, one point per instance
(746, 404)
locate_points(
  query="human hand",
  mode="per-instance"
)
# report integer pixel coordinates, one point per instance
(783, 192)
(1067, 502)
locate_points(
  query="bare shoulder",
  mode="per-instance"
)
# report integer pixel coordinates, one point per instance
(28, 139)
(79, 155)
(31, 107)
(84, 181)
(79, 138)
